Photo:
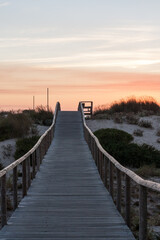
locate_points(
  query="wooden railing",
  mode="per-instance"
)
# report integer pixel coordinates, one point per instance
(111, 172)
(30, 165)
(87, 107)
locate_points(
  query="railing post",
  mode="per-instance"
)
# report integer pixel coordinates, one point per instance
(105, 172)
(38, 157)
(24, 179)
(3, 201)
(29, 171)
(100, 163)
(94, 155)
(127, 200)
(111, 178)
(40, 152)
(15, 198)
(103, 168)
(118, 202)
(142, 213)
(33, 165)
(98, 160)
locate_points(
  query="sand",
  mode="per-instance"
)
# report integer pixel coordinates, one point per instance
(8, 148)
(149, 135)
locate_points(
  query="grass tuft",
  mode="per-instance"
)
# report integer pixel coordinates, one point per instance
(146, 106)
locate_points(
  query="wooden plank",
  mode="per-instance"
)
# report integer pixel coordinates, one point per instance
(67, 199)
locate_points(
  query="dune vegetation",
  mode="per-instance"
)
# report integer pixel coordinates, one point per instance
(20, 124)
(119, 144)
(146, 105)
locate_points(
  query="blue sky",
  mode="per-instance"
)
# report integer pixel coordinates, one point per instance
(117, 35)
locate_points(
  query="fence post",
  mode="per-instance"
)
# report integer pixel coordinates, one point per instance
(29, 170)
(24, 179)
(38, 157)
(127, 200)
(105, 172)
(33, 165)
(111, 178)
(100, 163)
(15, 199)
(96, 156)
(3, 201)
(118, 202)
(142, 213)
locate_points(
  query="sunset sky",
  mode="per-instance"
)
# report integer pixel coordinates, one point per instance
(99, 50)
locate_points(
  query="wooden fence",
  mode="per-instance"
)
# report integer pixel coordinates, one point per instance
(107, 167)
(30, 163)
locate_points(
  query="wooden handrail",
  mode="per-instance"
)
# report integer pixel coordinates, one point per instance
(34, 155)
(95, 147)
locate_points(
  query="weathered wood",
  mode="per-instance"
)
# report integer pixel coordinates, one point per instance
(100, 163)
(142, 213)
(127, 200)
(118, 177)
(111, 178)
(33, 165)
(38, 158)
(106, 172)
(149, 184)
(24, 179)
(67, 199)
(15, 198)
(28, 171)
(39, 143)
(3, 201)
(103, 168)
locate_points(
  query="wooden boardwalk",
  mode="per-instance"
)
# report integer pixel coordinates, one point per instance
(67, 199)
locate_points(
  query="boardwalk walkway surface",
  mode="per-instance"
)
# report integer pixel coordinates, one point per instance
(67, 199)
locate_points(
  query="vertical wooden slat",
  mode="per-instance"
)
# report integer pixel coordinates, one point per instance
(142, 213)
(111, 178)
(3, 201)
(94, 151)
(127, 200)
(33, 165)
(15, 197)
(96, 155)
(38, 157)
(118, 202)
(35, 159)
(105, 172)
(40, 152)
(102, 166)
(99, 159)
(46, 144)
(24, 179)
(29, 171)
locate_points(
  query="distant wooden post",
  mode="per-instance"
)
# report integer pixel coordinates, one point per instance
(24, 179)
(118, 202)
(29, 170)
(15, 199)
(142, 213)
(3, 201)
(33, 165)
(33, 102)
(105, 171)
(127, 200)
(111, 178)
(47, 99)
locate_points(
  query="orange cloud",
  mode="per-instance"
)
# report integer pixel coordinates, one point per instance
(69, 86)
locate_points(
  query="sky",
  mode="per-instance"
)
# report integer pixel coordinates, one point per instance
(99, 50)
